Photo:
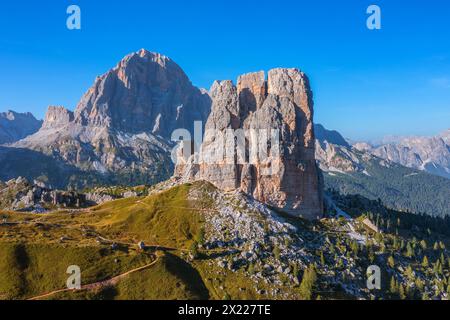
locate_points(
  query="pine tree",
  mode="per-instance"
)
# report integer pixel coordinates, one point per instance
(322, 258)
(395, 243)
(251, 268)
(295, 270)
(436, 246)
(308, 282)
(393, 286)
(419, 285)
(423, 244)
(355, 248)
(409, 250)
(277, 253)
(340, 263)
(425, 262)
(436, 267)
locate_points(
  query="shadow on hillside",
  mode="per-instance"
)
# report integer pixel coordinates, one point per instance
(188, 275)
(30, 164)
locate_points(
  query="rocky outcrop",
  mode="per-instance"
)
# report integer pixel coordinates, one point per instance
(259, 139)
(15, 126)
(21, 195)
(57, 116)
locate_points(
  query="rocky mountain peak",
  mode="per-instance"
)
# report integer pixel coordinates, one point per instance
(146, 91)
(430, 154)
(15, 126)
(57, 116)
(331, 136)
(445, 136)
(283, 175)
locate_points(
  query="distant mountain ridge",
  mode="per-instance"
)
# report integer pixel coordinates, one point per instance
(357, 171)
(15, 126)
(430, 154)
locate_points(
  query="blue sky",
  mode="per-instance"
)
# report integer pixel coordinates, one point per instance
(367, 84)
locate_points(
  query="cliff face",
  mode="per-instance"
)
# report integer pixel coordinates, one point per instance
(57, 116)
(145, 92)
(271, 152)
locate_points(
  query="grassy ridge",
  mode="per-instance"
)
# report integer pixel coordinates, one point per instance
(34, 259)
(166, 219)
(32, 269)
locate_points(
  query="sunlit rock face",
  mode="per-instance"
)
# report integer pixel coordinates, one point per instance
(145, 92)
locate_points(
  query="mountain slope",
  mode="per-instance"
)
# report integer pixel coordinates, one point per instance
(202, 243)
(351, 171)
(15, 126)
(430, 154)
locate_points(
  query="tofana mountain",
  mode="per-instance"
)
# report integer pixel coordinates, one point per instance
(15, 126)
(430, 154)
(120, 130)
(357, 171)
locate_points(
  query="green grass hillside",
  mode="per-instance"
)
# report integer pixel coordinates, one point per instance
(166, 219)
(37, 249)
(29, 269)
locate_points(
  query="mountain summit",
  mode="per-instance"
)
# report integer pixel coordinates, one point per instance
(120, 130)
(145, 92)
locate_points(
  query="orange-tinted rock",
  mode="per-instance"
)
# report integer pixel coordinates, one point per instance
(288, 177)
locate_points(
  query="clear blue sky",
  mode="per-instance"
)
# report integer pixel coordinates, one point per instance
(367, 84)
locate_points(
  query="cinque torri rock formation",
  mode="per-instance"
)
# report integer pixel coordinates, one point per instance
(288, 178)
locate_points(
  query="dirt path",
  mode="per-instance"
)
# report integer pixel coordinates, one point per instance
(98, 285)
